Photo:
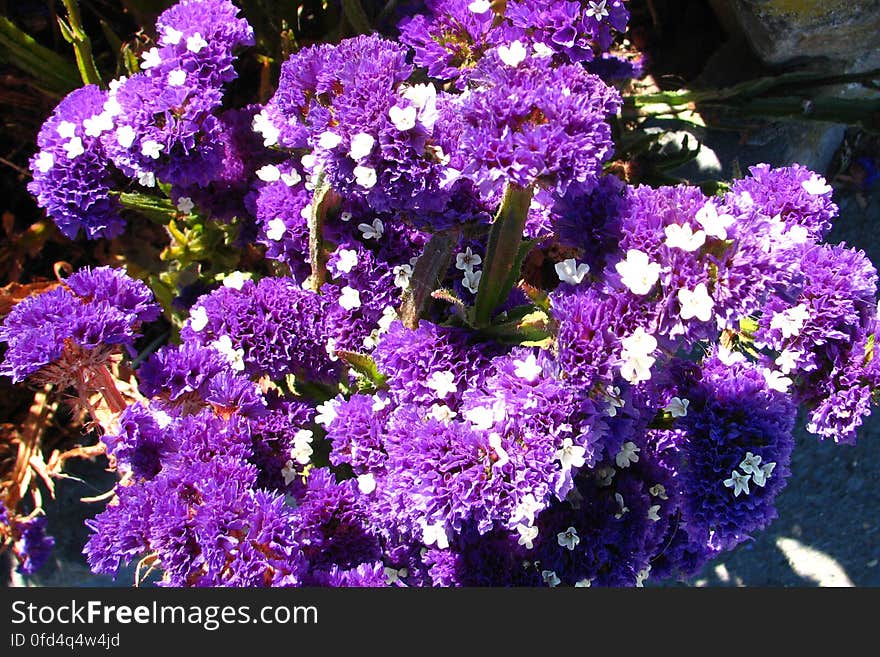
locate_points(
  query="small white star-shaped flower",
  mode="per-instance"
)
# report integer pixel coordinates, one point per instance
(435, 533)
(177, 78)
(683, 237)
(471, 280)
(443, 383)
(762, 474)
(350, 298)
(66, 130)
(583, 583)
(622, 508)
(629, 453)
(361, 146)
(514, 54)
(615, 401)
(348, 260)
(125, 136)
(788, 360)
(171, 36)
(366, 483)
(442, 413)
(550, 578)
(714, 224)
(196, 42)
(292, 178)
(198, 318)
(637, 272)
(597, 10)
(751, 463)
(326, 412)
(235, 357)
(652, 512)
(269, 173)
(498, 448)
(151, 58)
(276, 229)
(394, 575)
(185, 204)
(528, 369)
(480, 417)
(738, 482)
(776, 381)
(658, 491)
(236, 280)
(74, 148)
(816, 185)
(569, 271)
(636, 356)
(302, 446)
(527, 508)
(790, 321)
(480, 6)
(288, 472)
(696, 303)
(568, 539)
(328, 140)
(146, 178)
(263, 125)
(372, 231)
(151, 148)
(605, 475)
(45, 161)
(98, 124)
(642, 575)
(527, 535)
(570, 455)
(403, 118)
(402, 274)
(677, 407)
(467, 260)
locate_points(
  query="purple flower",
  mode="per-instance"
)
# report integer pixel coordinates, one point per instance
(34, 547)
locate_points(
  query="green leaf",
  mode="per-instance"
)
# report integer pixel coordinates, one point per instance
(365, 365)
(73, 33)
(159, 210)
(427, 274)
(532, 328)
(503, 253)
(53, 74)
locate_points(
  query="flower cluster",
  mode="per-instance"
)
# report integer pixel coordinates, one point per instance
(409, 404)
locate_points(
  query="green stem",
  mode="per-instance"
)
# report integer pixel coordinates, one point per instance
(74, 34)
(323, 201)
(426, 277)
(502, 252)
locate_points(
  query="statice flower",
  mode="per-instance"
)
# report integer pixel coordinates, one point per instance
(34, 547)
(140, 443)
(72, 177)
(282, 440)
(533, 123)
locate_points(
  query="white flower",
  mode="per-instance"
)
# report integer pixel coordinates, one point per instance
(403, 118)
(350, 298)
(467, 260)
(263, 125)
(629, 453)
(569, 271)
(177, 78)
(393, 575)
(151, 58)
(146, 178)
(45, 161)
(443, 383)
(570, 455)
(788, 360)
(185, 204)
(125, 136)
(235, 280)
(550, 578)
(326, 412)
(621, 506)
(348, 259)
(306, 212)
(480, 6)
(112, 107)
(527, 508)
(542, 50)
(696, 303)
(790, 321)
(798, 235)
(762, 474)
(198, 318)
(498, 448)
(471, 280)
(658, 491)
(235, 357)
(583, 583)
(568, 539)
(514, 54)
(597, 10)
(66, 130)
(195, 43)
(642, 575)
(328, 140)
(361, 146)
(435, 533)
(816, 185)
(151, 148)
(738, 482)
(424, 99)
(637, 272)
(776, 381)
(365, 177)
(480, 417)
(528, 369)
(527, 534)
(373, 230)
(402, 274)
(345, 216)
(171, 35)
(714, 224)
(268, 173)
(292, 178)
(276, 229)
(302, 446)
(751, 463)
(74, 148)
(683, 237)
(652, 512)
(677, 407)
(366, 483)
(98, 124)
(288, 472)
(636, 354)
(442, 413)
(380, 403)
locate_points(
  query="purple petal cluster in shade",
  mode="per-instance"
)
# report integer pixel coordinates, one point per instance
(34, 547)
(71, 177)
